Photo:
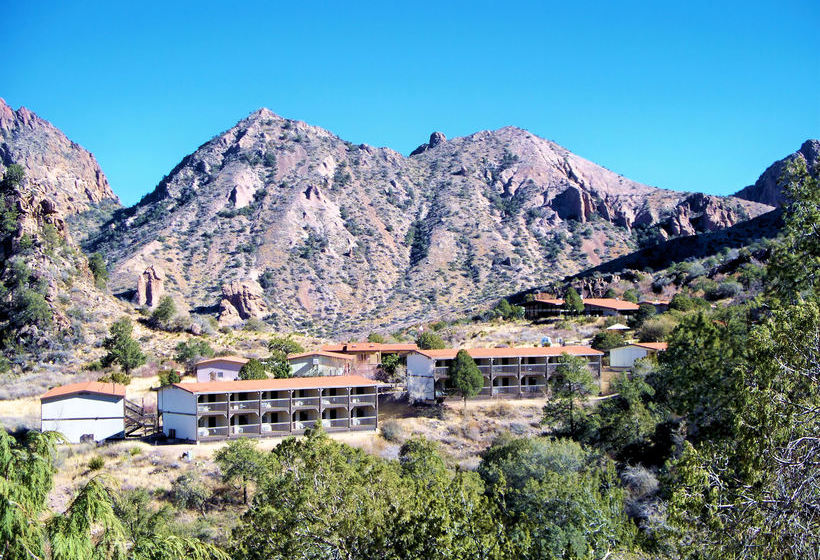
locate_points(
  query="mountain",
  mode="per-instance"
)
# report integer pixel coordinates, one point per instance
(56, 168)
(279, 219)
(767, 189)
(50, 302)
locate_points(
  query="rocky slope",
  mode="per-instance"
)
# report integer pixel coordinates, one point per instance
(50, 304)
(767, 188)
(289, 222)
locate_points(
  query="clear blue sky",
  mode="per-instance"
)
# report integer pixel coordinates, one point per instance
(685, 95)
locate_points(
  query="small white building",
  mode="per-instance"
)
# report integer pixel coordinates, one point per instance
(221, 368)
(320, 363)
(624, 357)
(92, 409)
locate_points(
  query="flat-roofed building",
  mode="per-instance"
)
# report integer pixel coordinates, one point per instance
(220, 368)
(624, 357)
(660, 305)
(267, 407)
(89, 410)
(543, 305)
(320, 363)
(368, 354)
(608, 306)
(507, 371)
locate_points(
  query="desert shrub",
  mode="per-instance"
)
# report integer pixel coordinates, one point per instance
(607, 340)
(96, 463)
(392, 431)
(724, 290)
(254, 324)
(375, 337)
(630, 295)
(656, 329)
(164, 313)
(429, 341)
(116, 377)
(188, 492)
(167, 377)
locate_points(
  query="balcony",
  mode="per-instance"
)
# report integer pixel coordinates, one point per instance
(335, 423)
(212, 408)
(533, 369)
(362, 399)
(506, 390)
(275, 427)
(244, 429)
(441, 372)
(335, 400)
(217, 432)
(363, 423)
(244, 405)
(305, 402)
(300, 425)
(268, 404)
(537, 388)
(512, 368)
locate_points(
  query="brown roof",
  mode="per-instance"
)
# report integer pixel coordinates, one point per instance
(610, 303)
(547, 298)
(233, 359)
(368, 347)
(661, 346)
(324, 382)
(321, 353)
(538, 351)
(86, 387)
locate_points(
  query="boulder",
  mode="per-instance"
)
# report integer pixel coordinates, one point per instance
(240, 301)
(150, 287)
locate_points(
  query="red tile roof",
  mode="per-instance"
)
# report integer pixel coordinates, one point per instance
(610, 303)
(324, 382)
(542, 351)
(86, 387)
(660, 346)
(232, 359)
(547, 298)
(368, 347)
(321, 353)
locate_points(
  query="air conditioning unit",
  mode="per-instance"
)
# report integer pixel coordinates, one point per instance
(315, 361)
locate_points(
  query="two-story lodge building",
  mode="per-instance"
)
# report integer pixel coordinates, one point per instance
(267, 407)
(507, 371)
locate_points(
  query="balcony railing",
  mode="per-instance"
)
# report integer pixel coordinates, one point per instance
(440, 372)
(363, 421)
(303, 424)
(275, 427)
(244, 405)
(245, 429)
(275, 403)
(220, 431)
(362, 399)
(334, 423)
(537, 388)
(512, 368)
(305, 402)
(533, 369)
(335, 399)
(212, 407)
(506, 390)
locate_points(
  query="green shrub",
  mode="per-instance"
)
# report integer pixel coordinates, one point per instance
(96, 463)
(392, 431)
(428, 340)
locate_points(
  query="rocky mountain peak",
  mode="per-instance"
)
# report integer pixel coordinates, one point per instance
(57, 169)
(436, 138)
(767, 189)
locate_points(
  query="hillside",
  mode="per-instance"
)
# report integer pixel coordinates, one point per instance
(323, 235)
(51, 305)
(767, 188)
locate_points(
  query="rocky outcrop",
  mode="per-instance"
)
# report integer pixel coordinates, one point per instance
(436, 138)
(150, 287)
(768, 188)
(241, 300)
(56, 168)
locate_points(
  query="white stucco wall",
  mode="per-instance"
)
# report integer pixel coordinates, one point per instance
(178, 410)
(78, 415)
(420, 381)
(218, 371)
(625, 356)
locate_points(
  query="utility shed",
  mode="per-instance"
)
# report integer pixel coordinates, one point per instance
(321, 363)
(91, 409)
(624, 357)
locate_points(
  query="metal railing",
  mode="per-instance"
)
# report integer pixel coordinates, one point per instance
(275, 403)
(219, 431)
(533, 368)
(363, 421)
(303, 424)
(537, 388)
(244, 405)
(305, 402)
(335, 399)
(212, 407)
(275, 427)
(245, 429)
(362, 399)
(511, 368)
(506, 389)
(334, 423)
(441, 371)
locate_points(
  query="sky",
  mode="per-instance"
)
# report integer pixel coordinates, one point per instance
(686, 95)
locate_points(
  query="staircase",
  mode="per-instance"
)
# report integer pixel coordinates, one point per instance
(139, 422)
